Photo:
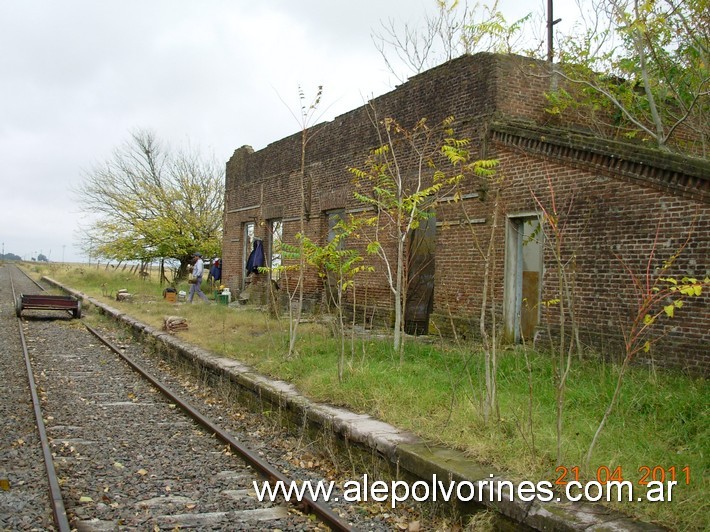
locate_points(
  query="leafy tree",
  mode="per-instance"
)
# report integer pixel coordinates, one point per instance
(657, 295)
(150, 202)
(642, 70)
(337, 263)
(402, 196)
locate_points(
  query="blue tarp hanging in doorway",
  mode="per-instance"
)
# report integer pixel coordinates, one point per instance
(256, 258)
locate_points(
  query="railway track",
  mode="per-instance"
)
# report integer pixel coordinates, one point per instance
(122, 452)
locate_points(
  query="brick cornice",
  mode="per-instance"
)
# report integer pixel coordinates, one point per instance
(674, 173)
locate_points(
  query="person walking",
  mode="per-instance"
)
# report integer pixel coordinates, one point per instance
(198, 269)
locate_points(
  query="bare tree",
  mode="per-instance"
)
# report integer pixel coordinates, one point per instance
(306, 118)
(454, 30)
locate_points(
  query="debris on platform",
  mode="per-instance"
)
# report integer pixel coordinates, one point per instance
(174, 323)
(123, 295)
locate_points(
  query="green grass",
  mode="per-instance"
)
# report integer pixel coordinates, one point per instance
(662, 418)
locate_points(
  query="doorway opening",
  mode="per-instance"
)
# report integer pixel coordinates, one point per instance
(421, 267)
(523, 276)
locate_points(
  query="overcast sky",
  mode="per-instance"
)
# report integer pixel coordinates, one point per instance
(77, 76)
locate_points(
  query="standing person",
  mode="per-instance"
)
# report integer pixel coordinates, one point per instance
(215, 274)
(198, 269)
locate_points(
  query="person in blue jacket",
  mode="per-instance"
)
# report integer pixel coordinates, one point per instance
(215, 274)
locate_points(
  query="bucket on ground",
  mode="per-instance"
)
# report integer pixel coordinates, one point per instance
(170, 295)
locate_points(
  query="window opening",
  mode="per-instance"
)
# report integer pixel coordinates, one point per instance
(275, 248)
(248, 244)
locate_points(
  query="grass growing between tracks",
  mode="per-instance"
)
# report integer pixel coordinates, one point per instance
(662, 420)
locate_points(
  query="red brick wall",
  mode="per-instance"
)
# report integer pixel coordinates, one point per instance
(611, 208)
(609, 220)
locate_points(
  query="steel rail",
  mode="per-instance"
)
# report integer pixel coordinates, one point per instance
(55, 493)
(28, 277)
(307, 504)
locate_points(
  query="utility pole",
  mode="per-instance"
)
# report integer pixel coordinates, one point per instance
(550, 23)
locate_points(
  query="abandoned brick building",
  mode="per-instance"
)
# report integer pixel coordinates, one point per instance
(619, 205)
